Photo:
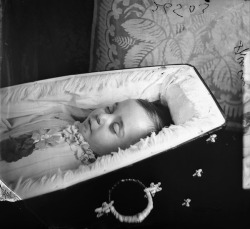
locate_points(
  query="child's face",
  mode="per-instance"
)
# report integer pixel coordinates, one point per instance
(118, 125)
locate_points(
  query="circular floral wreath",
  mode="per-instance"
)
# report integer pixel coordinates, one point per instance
(137, 218)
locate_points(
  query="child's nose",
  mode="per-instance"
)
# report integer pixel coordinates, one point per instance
(103, 118)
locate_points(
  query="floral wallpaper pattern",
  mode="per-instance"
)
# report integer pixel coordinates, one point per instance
(210, 35)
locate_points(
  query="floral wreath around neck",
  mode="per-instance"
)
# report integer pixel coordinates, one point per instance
(137, 218)
(74, 138)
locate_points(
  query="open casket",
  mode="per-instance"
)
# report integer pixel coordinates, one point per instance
(194, 111)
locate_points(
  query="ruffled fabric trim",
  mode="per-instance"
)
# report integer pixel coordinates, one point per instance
(78, 144)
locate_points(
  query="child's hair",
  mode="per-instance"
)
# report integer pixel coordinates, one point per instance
(159, 114)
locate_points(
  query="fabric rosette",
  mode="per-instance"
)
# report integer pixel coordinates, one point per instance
(44, 138)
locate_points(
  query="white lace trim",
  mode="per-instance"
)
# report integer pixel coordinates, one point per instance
(78, 144)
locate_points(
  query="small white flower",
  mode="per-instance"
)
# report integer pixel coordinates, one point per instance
(198, 173)
(212, 138)
(105, 208)
(186, 202)
(154, 188)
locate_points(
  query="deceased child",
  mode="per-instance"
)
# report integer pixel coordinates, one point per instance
(38, 145)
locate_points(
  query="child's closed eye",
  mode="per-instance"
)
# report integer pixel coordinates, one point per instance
(111, 109)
